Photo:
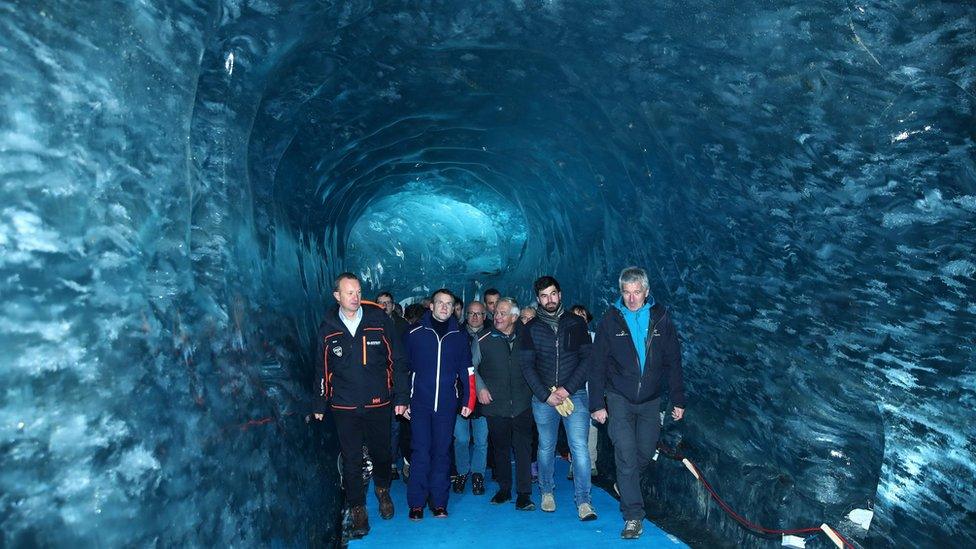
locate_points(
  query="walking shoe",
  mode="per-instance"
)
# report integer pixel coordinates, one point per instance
(569, 475)
(524, 503)
(500, 497)
(585, 511)
(360, 522)
(416, 513)
(386, 503)
(394, 474)
(459, 482)
(632, 529)
(548, 503)
(440, 512)
(477, 484)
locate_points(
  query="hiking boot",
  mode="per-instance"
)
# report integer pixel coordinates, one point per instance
(459, 482)
(548, 503)
(500, 497)
(440, 512)
(386, 503)
(524, 503)
(632, 529)
(477, 484)
(585, 511)
(360, 522)
(416, 513)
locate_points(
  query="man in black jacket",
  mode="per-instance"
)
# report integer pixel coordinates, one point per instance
(635, 357)
(554, 349)
(362, 372)
(507, 403)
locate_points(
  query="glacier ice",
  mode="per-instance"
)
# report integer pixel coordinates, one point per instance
(180, 182)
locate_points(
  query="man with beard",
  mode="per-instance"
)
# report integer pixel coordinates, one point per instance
(554, 349)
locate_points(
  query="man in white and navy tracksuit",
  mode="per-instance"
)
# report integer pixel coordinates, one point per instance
(440, 355)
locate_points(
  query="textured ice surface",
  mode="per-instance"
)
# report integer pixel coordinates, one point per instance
(180, 181)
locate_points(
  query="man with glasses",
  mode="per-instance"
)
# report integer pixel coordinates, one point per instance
(440, 356)
(471, 456)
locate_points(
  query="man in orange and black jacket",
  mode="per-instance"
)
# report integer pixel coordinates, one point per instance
(362, 372)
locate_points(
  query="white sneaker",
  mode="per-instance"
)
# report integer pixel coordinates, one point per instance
(548, 503)
(586, 512)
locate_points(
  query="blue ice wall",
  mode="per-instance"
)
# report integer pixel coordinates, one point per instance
(182, 180)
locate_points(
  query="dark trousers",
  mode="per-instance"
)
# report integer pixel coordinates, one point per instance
(507, 434)
(431, 438)
(369, 426)
(634, 430)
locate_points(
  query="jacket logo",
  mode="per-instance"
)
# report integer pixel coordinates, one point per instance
(622, 333)
(337, 351)
(376, 401)
(655, 334)
(374, 343)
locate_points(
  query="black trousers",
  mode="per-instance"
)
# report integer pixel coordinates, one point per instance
(634, 430)
(507, 434)
(369, 426)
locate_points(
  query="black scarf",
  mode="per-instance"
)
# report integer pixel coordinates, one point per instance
(552, 319)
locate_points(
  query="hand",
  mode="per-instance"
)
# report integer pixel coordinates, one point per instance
(465, 411)
(563, 393)
(599, 416)
(400, 409)
(319, 417)
(554, 400)
(677, 413)
(406, 412)
(484, 396)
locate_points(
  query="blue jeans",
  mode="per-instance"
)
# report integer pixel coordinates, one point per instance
(469, 459)
(577, 432)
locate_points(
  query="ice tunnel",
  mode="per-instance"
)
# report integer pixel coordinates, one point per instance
(181, 181)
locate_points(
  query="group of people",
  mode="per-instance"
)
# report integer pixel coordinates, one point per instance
(500, 374)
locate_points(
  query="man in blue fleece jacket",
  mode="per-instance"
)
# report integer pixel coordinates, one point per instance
(636, 356)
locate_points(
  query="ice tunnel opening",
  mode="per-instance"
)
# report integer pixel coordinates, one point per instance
(183, 180)
(418, 240)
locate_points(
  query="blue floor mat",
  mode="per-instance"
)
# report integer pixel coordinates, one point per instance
(473, 522)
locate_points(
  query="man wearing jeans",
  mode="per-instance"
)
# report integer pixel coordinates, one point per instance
(635, 357)
(471, 433)
(553, 350)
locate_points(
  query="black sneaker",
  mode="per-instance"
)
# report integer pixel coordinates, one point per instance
(459, 482)
(501, 497)
(477, 484)
(416, 513)
(440, 512)
(524, 503)
(632, 529)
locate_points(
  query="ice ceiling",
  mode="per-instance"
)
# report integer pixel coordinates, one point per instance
(181, 181)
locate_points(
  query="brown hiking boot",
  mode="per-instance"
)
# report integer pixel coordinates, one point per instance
(386, 503)
(360, 522)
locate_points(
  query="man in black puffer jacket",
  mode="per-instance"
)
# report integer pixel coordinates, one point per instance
(507, 403)
(554, 350)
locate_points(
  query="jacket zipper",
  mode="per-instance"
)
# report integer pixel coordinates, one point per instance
(650, 348)
(437, 378)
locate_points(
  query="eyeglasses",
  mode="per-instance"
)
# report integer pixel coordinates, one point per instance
(476, 314)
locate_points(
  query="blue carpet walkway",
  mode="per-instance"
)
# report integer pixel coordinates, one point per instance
(473, 522)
